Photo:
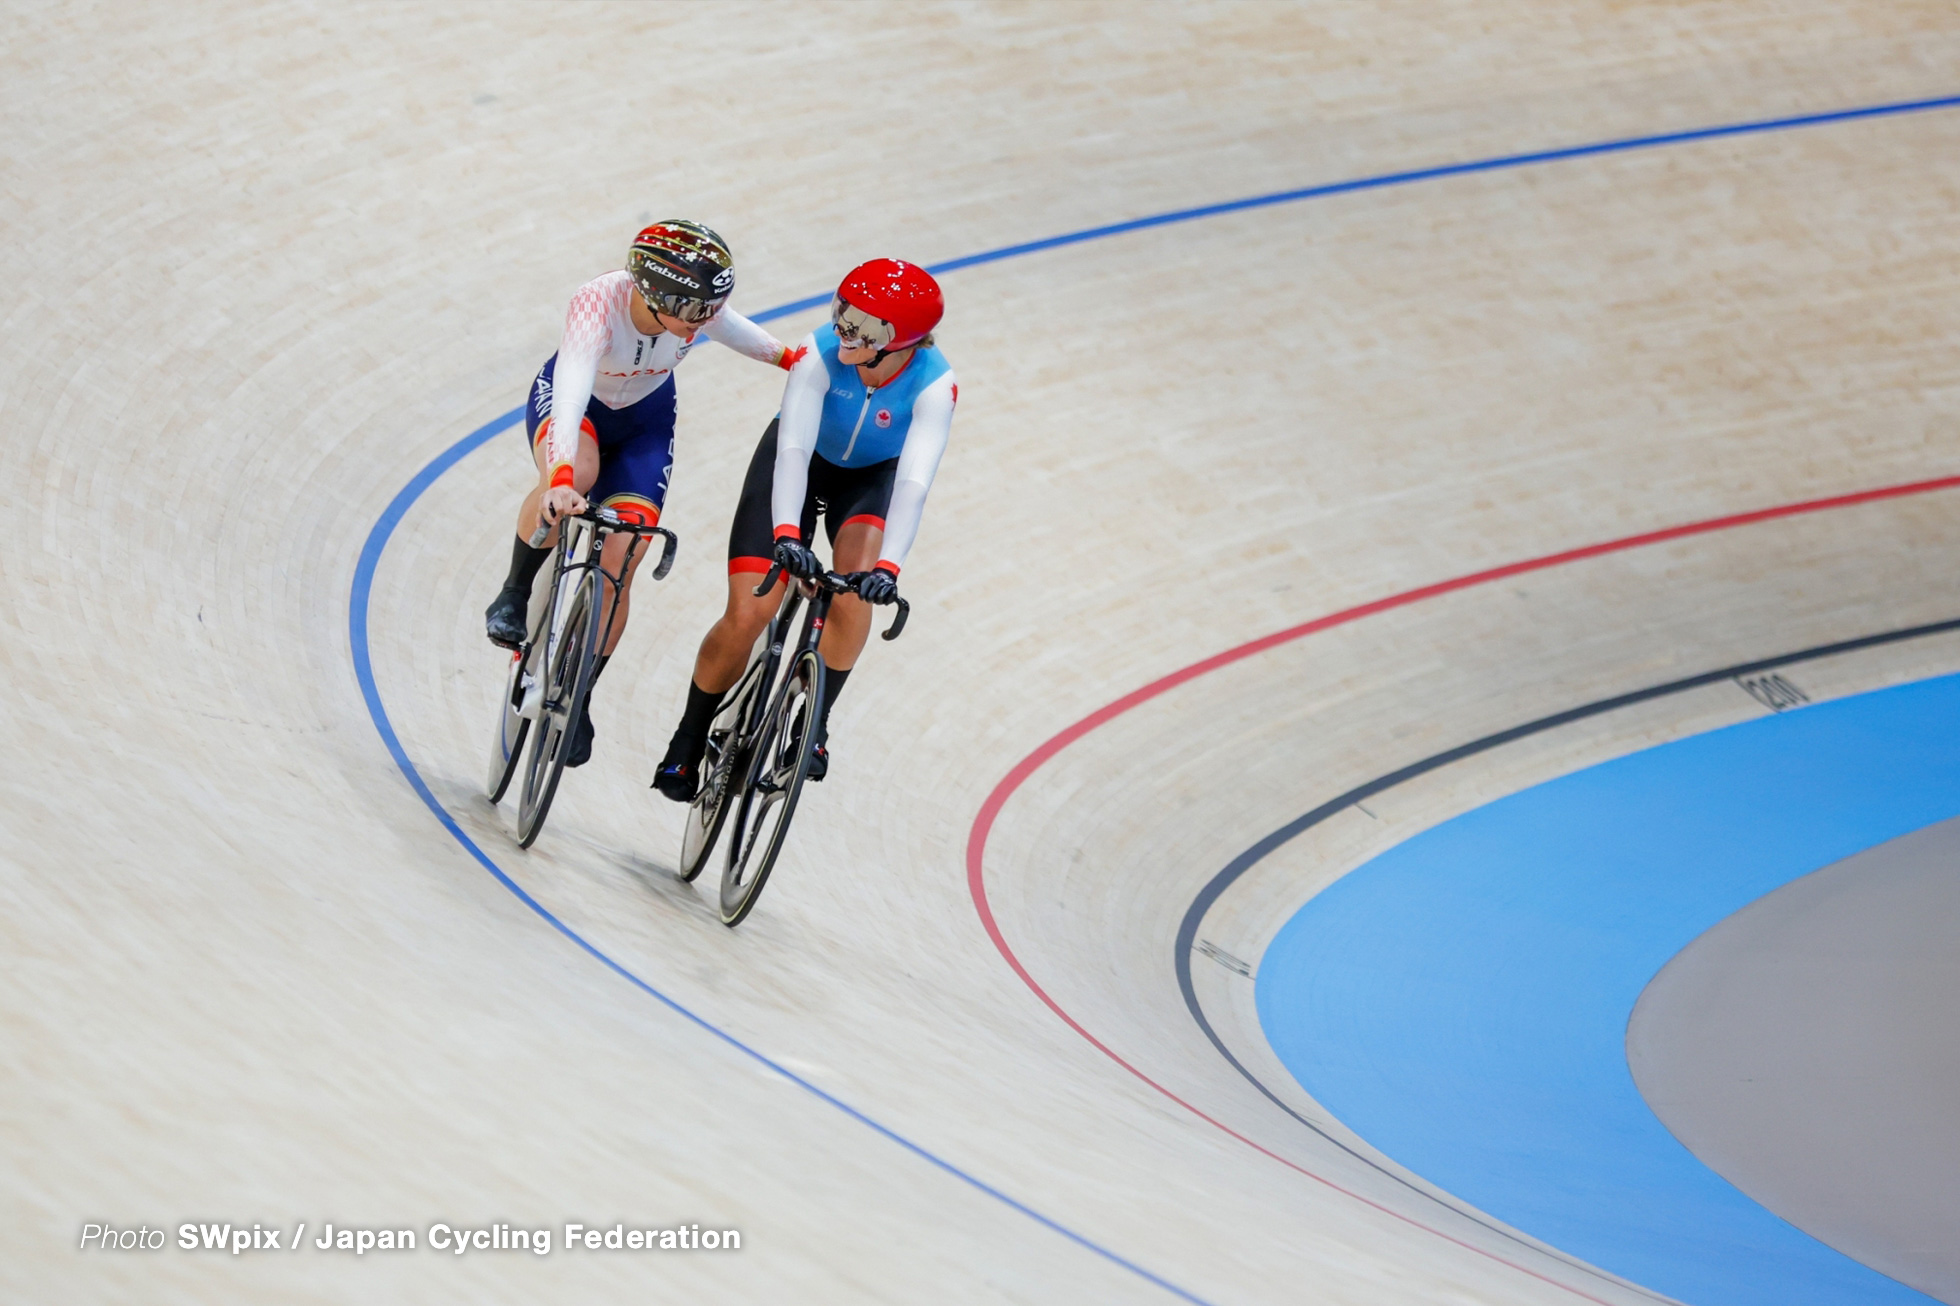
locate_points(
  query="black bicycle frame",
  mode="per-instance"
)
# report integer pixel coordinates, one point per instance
(764, 692)
(820, 590)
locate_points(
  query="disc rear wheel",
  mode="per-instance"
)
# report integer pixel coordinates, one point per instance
(724, 764)
(710, 808)
(513, 728)
(774, 781)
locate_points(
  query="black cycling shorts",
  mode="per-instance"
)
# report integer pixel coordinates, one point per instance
(842, 494)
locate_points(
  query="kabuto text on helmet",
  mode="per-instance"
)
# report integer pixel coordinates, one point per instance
(683, 269)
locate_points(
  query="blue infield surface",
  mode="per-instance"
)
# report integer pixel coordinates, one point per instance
(1462, 1000)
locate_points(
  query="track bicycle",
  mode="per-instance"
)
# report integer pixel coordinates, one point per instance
(544, 692)
(761, 742)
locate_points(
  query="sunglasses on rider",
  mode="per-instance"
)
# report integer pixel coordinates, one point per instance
(691, 311)
(857, 329)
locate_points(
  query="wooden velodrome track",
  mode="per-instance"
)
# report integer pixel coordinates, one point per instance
(267, 264)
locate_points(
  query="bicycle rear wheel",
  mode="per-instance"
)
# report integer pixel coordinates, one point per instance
(567, 674)
(722, 768)
(513, 727)
(774, 781)
(709, 810)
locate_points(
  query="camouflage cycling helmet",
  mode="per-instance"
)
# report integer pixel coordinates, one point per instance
(683, 269)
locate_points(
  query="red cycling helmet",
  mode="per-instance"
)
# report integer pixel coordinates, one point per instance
(887, 305)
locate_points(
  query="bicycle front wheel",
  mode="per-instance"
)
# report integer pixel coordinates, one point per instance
(774, 782)
(567, 674)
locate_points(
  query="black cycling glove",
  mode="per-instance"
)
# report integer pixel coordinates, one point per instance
(795, 557)
(877, 586)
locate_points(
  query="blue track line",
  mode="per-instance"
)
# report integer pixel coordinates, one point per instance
(357, 622)
(1496, 164)
(398, 507)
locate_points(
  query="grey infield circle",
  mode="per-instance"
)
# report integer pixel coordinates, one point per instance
(1807, 1049)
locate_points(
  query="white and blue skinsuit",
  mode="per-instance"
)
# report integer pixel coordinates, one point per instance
(829, 412)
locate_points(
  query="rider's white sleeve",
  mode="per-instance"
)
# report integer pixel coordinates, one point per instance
(796, 436)
(743, 336)
(918, 463)
(579, 351)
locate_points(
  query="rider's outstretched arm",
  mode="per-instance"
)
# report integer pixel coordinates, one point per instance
(579, 351)
(796, 440)
(744, 337)
(918, 463)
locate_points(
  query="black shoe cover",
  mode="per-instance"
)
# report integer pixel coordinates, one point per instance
(679, 773)
(678, 781)
(504, 618)
(819, 763)
(578, 749)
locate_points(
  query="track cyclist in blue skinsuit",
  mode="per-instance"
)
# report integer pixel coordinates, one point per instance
(865, 418)
(601, 411)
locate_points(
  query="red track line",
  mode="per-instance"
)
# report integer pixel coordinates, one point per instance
(983, 823)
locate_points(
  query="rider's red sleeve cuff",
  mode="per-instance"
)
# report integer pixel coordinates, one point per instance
(794, 532)
(791, 357)
(561, 475)
(891, 567)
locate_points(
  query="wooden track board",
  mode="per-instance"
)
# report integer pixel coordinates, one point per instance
(265, 263)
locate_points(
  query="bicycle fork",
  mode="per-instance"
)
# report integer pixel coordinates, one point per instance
(564, 587)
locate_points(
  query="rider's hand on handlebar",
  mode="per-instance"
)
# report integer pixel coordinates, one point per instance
(795, 557)
(559, 501)
(877, 586)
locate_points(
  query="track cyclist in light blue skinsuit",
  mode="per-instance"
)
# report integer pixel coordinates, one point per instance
(866, 415)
